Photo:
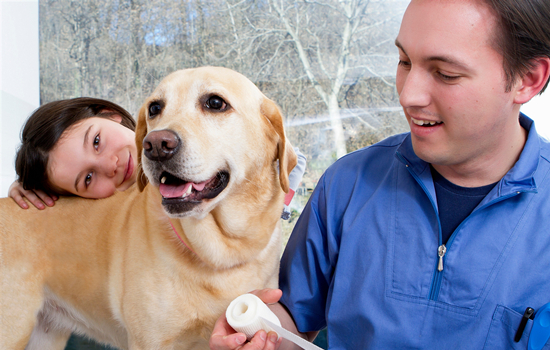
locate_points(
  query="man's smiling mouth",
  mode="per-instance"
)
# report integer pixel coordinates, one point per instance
(421, 122)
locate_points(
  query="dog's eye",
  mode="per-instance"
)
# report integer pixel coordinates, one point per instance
(216, 102)
(154, 109)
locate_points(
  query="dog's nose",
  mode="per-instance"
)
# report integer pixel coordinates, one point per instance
(161, 145)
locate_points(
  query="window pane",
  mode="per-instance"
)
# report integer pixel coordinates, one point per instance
(330, 64)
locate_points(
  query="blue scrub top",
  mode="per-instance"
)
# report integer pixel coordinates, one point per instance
(362, 259)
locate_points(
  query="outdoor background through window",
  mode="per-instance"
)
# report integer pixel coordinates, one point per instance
(330, 65)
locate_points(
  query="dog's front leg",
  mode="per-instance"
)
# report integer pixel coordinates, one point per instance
(46, 339)
(134, 345)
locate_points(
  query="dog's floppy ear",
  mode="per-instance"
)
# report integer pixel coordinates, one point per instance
(285, 152)
(141, 132)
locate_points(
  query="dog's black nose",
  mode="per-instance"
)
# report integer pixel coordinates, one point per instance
(161, 145)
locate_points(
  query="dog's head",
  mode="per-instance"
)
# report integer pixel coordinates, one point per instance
(205, 132)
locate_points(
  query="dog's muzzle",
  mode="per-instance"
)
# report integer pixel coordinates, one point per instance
(179, 195)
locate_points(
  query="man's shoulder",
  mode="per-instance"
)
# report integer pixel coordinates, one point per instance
(386, 147)
(545, 148)
(376, 156)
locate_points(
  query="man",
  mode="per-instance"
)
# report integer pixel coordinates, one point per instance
(438, 238)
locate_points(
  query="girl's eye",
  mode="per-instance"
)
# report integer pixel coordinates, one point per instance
(88, 180)
(96, 142)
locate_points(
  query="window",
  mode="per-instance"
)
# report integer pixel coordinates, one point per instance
(330, 65)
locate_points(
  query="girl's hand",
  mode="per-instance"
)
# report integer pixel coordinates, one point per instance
(37, 197)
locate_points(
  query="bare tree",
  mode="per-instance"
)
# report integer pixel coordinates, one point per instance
(329, 64)
(328, 40)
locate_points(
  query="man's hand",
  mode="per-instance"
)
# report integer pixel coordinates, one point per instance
(224, 337)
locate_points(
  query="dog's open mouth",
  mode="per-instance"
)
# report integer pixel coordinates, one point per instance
(175, 190)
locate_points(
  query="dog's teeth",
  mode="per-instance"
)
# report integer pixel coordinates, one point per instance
(189, 189)
(163, 180)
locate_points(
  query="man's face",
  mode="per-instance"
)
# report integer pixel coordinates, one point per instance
(451, 84)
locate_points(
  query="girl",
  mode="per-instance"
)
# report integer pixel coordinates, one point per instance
(82, 146)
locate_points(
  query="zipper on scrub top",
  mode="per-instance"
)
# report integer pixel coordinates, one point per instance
(441, 250)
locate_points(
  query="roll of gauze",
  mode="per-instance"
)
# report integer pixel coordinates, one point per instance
(246, 314)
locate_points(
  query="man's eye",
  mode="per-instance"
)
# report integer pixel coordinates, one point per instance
(404, 64)
(446, 77)
(88, 180)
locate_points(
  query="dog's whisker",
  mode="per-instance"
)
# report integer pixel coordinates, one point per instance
(252, 183)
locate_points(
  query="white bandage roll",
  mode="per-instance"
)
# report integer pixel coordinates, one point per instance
(246, 313)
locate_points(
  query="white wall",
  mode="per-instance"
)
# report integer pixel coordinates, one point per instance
(19, 78)
(538, 109)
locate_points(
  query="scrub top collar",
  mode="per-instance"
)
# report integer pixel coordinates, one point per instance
(521, 178)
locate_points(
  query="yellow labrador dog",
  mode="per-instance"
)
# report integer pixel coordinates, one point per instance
(153, 267)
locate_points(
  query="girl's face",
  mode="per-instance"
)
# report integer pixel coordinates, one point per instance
(94, 158)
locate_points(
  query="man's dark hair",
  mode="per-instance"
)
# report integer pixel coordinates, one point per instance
(523, 35)
(45, 127)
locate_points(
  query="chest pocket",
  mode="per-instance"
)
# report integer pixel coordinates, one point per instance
(503, 329)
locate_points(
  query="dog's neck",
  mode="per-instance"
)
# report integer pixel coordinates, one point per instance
(223, 240)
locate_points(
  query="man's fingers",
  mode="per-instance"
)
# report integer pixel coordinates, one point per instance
(273, 341)
(257, 342)
(224, 337)
(223, 342)
(263, 341)
(268, 296)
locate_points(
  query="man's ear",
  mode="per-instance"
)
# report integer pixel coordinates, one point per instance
(141, 132)
(534, 81)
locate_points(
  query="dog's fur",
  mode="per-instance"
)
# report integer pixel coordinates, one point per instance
(115, 270)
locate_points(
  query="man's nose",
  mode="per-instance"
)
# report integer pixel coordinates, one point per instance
(416, 89)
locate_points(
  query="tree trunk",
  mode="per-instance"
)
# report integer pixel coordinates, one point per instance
(336, 126)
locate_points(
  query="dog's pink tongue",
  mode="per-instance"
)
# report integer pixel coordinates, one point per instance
(171, 191)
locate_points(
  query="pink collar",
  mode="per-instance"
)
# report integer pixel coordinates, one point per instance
(182, 241)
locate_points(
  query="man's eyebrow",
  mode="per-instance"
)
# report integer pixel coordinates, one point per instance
(398, 44)
(439, 58)
(449, 60)
(77, 180)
